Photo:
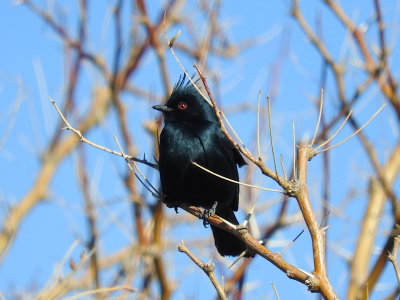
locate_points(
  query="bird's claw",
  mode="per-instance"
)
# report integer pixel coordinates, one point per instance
(207, 213)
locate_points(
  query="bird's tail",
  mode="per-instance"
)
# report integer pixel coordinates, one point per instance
(227, 243)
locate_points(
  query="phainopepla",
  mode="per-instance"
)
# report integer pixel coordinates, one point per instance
(192, 133)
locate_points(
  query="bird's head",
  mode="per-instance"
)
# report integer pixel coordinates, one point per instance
(186, 104)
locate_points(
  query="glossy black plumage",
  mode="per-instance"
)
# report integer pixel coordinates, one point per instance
(192, 134)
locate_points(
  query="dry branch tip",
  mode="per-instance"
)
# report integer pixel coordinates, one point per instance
(174, 38)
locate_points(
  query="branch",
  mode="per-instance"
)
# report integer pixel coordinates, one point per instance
(276, 259)
(85, 140)
(392, 257)
(264, 169)
(208, 268)
(316, 232)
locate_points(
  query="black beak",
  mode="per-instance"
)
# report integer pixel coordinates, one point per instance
(162, 108)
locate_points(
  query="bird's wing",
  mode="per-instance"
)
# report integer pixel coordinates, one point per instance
(234, 158)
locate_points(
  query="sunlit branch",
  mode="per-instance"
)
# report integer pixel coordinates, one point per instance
(241, 255)
(357, 131)
(294, 151)
(85, 140)
(171, 44)
(250, 213)
(319, 116)
(258, 126)
(234, 132)
(55, 286)
(283, 168)
(276, 292)
(270, 135)
(18, 101)
(106, 290)
(152, 189)
(234, 181)
(336, 132)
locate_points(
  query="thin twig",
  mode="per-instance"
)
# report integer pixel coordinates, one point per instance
(264, 169)
(151, 189)
(357, 131)
(294, 151)
(234, 181)
(171, 44)
(319, 116)
(258, 125)
(336, 132)
(18, 101)
(276, 292)
(241, 255)
(85, 140)
(250, 213)
(55, 286)
(234, 132)
(292, 242)
(270, 136)
(105, 290)
(283, 168)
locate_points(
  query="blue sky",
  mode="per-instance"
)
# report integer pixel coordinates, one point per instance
(32, 68)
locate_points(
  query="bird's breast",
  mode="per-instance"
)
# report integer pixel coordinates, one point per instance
(185, 143)
(180, 146)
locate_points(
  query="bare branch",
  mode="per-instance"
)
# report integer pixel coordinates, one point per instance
(208, 268)
(234, 181)
(83, 139)
(271, 138)
(294, 151)
(258, 126)
(392, 257)
(319, 117)
(357, 131)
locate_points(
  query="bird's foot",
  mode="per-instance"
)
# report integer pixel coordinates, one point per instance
(208, 212)
(172, 204)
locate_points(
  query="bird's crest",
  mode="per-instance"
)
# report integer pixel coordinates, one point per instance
(185, 84)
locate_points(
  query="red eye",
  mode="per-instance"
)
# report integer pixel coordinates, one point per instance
(182, 106)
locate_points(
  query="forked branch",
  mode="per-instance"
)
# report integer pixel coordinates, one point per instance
(85, 140)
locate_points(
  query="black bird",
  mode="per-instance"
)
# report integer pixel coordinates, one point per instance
(192, 133)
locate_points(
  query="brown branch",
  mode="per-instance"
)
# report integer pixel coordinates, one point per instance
(268, 232)
(275, 258)
(359, 262)
(85, 140)
(91, 218)
(316, 232)
(299, 191)
(392, 257)
(161, 271)
(264, 169)
(208, 268)
(375, 206)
